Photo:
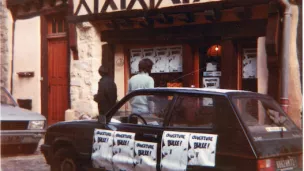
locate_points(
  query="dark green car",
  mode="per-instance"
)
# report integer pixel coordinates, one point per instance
(180, 129)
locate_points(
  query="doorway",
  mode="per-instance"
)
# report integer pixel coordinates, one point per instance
(57, 69)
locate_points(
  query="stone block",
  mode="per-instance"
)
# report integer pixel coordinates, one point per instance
(70, 115)
(75, 82)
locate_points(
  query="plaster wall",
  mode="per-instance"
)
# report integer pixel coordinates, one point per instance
(84, 71)
(262, 70)
(294, 89)
(6, 28)
(27, 47)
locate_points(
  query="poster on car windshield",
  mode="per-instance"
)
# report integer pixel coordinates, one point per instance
(174, 151)
(202, 149)
(102, 149)
(145, 156)
(123, 151)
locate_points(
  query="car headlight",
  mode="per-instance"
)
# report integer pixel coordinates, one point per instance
(36, 125)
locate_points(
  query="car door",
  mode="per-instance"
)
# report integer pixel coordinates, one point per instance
(195, 115)
(144, 115)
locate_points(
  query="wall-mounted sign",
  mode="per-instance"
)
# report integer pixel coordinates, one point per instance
(212, 74)
(166, 59)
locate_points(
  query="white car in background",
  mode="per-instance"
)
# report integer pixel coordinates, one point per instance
(19, 127)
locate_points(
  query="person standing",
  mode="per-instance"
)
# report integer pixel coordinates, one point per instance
(107, 92)
(140, 104)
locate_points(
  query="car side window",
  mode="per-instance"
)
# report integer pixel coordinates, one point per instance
(144, 109)
(194, 111)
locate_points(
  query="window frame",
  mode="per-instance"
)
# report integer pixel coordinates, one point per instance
(126, 99)
(214, 117)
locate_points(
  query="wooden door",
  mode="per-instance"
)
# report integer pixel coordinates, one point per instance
(57, 79)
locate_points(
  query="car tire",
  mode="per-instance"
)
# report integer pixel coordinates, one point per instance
(29, 148)
(64, 160)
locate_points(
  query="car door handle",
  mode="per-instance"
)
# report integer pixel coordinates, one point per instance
(150, 135)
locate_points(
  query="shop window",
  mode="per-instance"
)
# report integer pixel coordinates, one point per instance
(212, 67)
(249, 69)
(167, 59)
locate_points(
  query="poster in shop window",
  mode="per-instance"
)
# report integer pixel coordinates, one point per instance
(102, 149)
(202, 149)
(161, 60)
(145, 156)
(136, 56)
(175, 59)
(174, 151)
(123, 151)
(150, 54)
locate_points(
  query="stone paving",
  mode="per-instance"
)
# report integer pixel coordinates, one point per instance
(16, 161)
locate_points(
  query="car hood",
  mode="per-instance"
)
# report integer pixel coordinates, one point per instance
(18, 114)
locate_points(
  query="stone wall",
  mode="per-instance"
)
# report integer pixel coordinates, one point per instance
(5, 44)
(84, 71)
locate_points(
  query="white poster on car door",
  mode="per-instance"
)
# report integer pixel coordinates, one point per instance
(202, 149)
(102, 149)
(145, 156)
(123, 151)
(174, 151)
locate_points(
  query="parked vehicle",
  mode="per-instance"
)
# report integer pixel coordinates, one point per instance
(180, 129)
(19, 127)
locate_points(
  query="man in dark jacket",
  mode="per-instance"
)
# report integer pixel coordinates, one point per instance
(107, 92)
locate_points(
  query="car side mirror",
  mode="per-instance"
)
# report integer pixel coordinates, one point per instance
(102, 119)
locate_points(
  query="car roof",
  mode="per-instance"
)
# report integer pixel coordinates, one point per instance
(192, 90)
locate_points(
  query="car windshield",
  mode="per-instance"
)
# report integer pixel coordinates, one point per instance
(264, 118)
(6, 98)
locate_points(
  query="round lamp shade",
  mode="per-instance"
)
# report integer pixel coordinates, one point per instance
(215, 50)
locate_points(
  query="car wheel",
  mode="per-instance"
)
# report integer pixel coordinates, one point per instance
(64, 160)
(29, 148)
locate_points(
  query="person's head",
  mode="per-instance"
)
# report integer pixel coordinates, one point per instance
(103, 71)
(145, 65)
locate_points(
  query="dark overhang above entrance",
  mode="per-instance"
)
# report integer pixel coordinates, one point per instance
(95, 15)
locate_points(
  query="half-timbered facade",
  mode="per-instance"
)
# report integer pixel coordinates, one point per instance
(193, 43)
(233, 44)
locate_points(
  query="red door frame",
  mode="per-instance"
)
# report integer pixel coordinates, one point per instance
(44, 64)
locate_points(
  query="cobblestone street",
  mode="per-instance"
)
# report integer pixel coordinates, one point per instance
(16, 161)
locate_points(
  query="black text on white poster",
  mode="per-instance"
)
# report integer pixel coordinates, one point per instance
(174, 150)
(202, 149)
(145, 156)
(123, 151)
(102, 149)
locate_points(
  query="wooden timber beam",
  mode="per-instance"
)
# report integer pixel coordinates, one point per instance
(141, 13)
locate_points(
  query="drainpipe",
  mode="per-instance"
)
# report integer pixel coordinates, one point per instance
(285, 54)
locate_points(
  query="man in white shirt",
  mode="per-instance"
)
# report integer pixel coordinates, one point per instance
(140, 104)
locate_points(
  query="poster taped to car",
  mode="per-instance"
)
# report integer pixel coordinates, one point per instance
(145, 156)
(202, 149)
(102, 149)
(123, 151)
(174, 151)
